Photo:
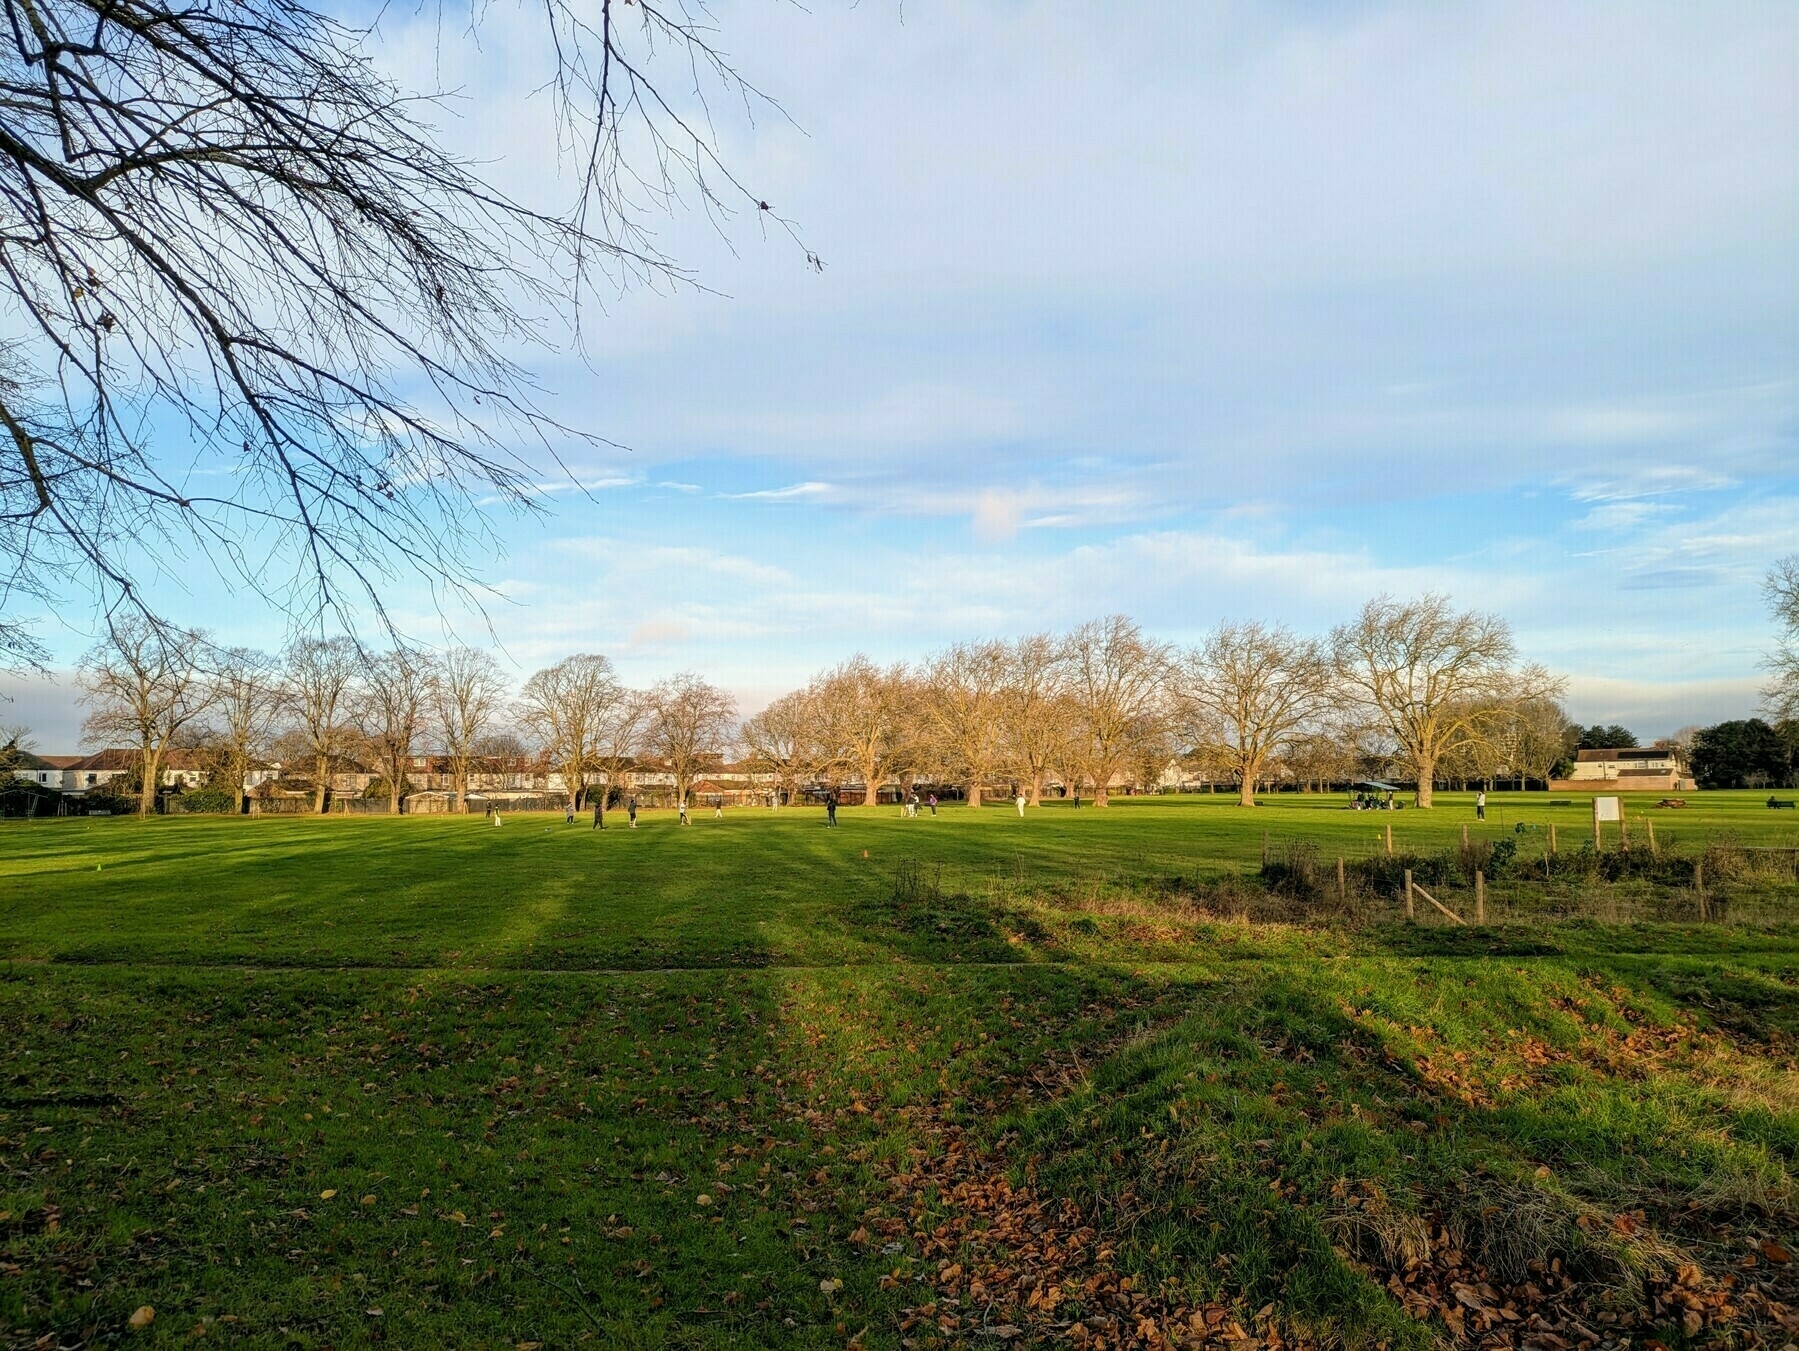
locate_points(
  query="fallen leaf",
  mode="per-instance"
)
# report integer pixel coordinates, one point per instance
(369, 1200)
(144, 1316)
(830, 1285)
(702, 1200)
(328, 1193)
(1776, 1254)
(374, 1312)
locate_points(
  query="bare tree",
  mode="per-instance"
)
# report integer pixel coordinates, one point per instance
(467, 693)
(247, 700)
(1036, 718)
(857, 709)
(390, 709)
(1781, 695)
(1149, 750)
(1432, 677)
(1319, 757)
(145, 685)
(1246, 694)
(16, 743)
(1534, 738)
(621, 731)
(690, 722)
(961, 704)
(567, 707)
(1114, 679)
(225, 229)
(780, 741)
(317, 677)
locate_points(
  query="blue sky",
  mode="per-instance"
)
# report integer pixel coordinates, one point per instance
(1202, 311)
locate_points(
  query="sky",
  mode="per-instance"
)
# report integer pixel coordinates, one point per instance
(1200, 312)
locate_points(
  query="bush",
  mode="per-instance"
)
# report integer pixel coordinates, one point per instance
(212, 798)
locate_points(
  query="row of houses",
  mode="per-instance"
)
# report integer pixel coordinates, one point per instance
(78, 774)
(734, 783)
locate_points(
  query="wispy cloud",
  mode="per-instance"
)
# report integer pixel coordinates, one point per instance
(793, 492)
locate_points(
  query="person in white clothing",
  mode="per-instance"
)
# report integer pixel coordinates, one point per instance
(1020, 801)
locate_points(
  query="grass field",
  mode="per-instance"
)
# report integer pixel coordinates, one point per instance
(1091, 1077)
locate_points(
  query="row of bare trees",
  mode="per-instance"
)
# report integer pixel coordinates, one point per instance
(1419, 685)
(325, 702)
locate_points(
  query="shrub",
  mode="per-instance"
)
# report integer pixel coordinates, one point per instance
(212, 798)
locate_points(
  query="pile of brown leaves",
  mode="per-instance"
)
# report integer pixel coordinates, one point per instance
(1549, 1308)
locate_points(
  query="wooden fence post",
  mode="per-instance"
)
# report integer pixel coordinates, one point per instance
(1411, 909)
(1389, 839)
(1342, 884)
(1623, 833)
(1552, 837)
(1651, 825)
(1699, 886)
(1464, 834)
(1480, 897)
(1264, 851)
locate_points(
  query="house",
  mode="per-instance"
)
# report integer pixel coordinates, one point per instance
(79, 773)
(1624, 769)
(46, 771)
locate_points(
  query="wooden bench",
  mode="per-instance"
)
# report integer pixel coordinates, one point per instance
(1782, 804)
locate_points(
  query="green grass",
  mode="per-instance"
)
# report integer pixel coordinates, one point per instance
(519, 1058)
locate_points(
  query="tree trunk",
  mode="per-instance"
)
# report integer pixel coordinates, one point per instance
(393, 789)
(320, 785)
(461, 789)
(974, 792)
(871, 789)
(1427, 773)
(1101, 798)
(1037, 789)
(1246, 791)
(146, 792)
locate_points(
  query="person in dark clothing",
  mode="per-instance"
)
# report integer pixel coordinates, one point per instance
(569, 819)
(933, 804)
(599, 813)
(631, 810)
(831, 808)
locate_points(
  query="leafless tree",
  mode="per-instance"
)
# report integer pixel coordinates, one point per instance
(621, 732)
(1247, 693)
(1320, 756)
(1533, 738)
(16, 743)
(246, 701)
(858, 714)
(1681, 743)
(225, 230)
(1149, 750)
(1036, 718)
(962, 701)
(1115, 679)
(317, 679)
(689, 723)
(389, 709)
(567, 707)
(467, 694)
(1781, 695)
(1432, 676)
(780, 740)
(145, 685)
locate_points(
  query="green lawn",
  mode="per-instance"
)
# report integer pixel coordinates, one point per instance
(1090, 1077)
